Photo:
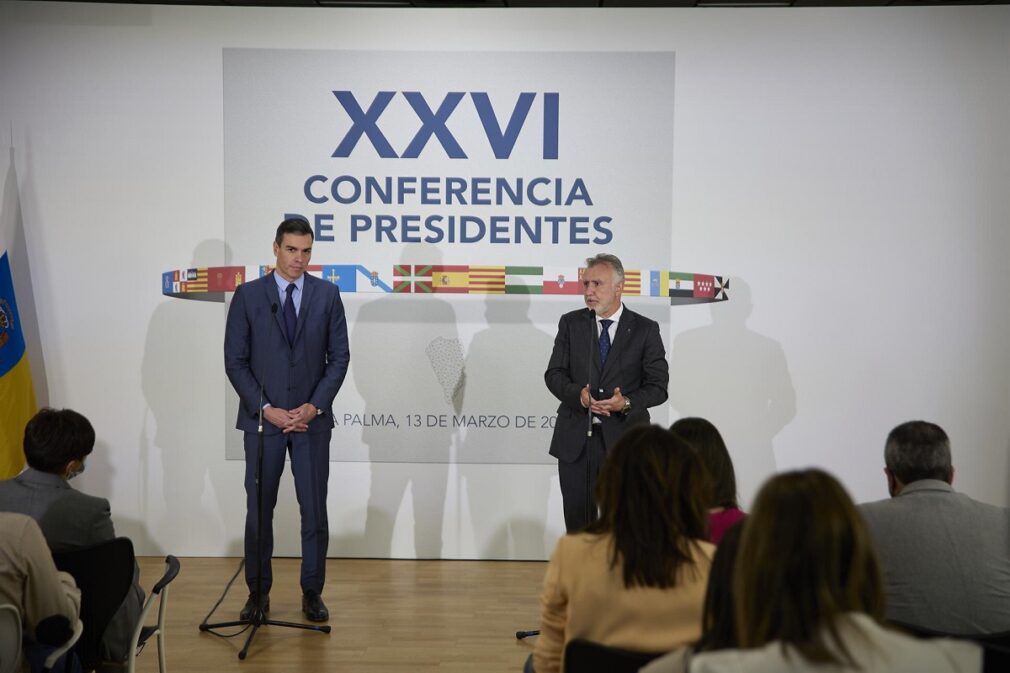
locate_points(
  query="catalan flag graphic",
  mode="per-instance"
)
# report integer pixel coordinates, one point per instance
(487, 280)
(632, 282)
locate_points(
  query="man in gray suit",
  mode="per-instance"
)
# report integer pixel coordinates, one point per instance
(56, 444)
(620, 354)
(946, 557)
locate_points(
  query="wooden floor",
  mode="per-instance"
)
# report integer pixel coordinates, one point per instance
(386, 616)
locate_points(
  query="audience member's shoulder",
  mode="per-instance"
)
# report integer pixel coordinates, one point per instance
(14, 524)
(73, 501)
(678, 661)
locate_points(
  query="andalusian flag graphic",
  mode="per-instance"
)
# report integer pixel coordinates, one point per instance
(524, 280)
(17, 395)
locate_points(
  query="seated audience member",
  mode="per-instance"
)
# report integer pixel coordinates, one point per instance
(717, 628)
(946, 557)
(47, 599)
(809, 595)
(56, 444)
(634, 579)
(723, 510)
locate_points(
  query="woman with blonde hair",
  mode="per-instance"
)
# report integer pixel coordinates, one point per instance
(634, 579)
(808, 592)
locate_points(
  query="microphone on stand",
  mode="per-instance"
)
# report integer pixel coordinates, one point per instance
(589, 372)
(273, 312)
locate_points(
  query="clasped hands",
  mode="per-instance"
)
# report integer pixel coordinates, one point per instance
(296, 420)
(611, 405)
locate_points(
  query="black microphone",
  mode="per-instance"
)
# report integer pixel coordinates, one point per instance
(589, 372)
(273, 312)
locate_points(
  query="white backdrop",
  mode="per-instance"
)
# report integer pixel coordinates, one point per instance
(848, 167)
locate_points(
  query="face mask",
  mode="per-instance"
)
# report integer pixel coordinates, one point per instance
(73, 473)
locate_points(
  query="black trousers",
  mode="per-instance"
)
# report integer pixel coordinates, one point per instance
(578, 483)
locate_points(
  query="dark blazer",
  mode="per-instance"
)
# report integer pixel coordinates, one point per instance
(636, 364)
(255, 346)
(69, 520)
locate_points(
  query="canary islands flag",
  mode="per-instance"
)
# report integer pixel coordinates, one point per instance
(17, 396)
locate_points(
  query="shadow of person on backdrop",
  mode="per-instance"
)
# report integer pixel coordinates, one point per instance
(504, 372)
(406, 361)
(737, 379)
(182, 363)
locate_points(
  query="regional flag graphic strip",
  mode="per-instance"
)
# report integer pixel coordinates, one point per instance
(17, 394)
(211, 283)
(524, 280)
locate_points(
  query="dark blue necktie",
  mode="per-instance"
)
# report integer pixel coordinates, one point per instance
(290, 319)
(605, 340)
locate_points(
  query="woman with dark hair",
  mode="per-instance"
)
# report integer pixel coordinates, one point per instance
(718, 630)
(635, 578)
(809, 594)
(723, 511)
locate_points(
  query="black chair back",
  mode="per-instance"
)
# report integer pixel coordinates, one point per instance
(584, 656)
(104, 574)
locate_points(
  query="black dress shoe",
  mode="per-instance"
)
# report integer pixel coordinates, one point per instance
(250, 607)
(313, 607)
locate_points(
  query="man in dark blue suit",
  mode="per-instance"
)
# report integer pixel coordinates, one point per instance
(620, 354)
(287, 331)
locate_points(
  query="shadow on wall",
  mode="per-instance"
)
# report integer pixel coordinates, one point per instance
(176, 378)
(516, 391)
(739, 380)
(409, 327)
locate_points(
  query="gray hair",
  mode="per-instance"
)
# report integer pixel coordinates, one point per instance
(612, 260)
(918, 450)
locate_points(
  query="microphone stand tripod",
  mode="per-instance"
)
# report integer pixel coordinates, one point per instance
(259, 617)
(589, 432)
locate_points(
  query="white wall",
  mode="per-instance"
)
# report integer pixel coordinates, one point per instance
(849, 166)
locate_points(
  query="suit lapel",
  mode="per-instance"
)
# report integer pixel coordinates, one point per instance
(274, 299)
(625, 329)
(303, 309)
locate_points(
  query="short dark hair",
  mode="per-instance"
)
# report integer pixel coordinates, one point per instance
(293, 225)
(54, 437)
(705, 438)
(651, 497)
(918, 450)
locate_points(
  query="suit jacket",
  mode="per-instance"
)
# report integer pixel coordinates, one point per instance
(636, 364)
(69, 520)
(946, 558)
(256, 349)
